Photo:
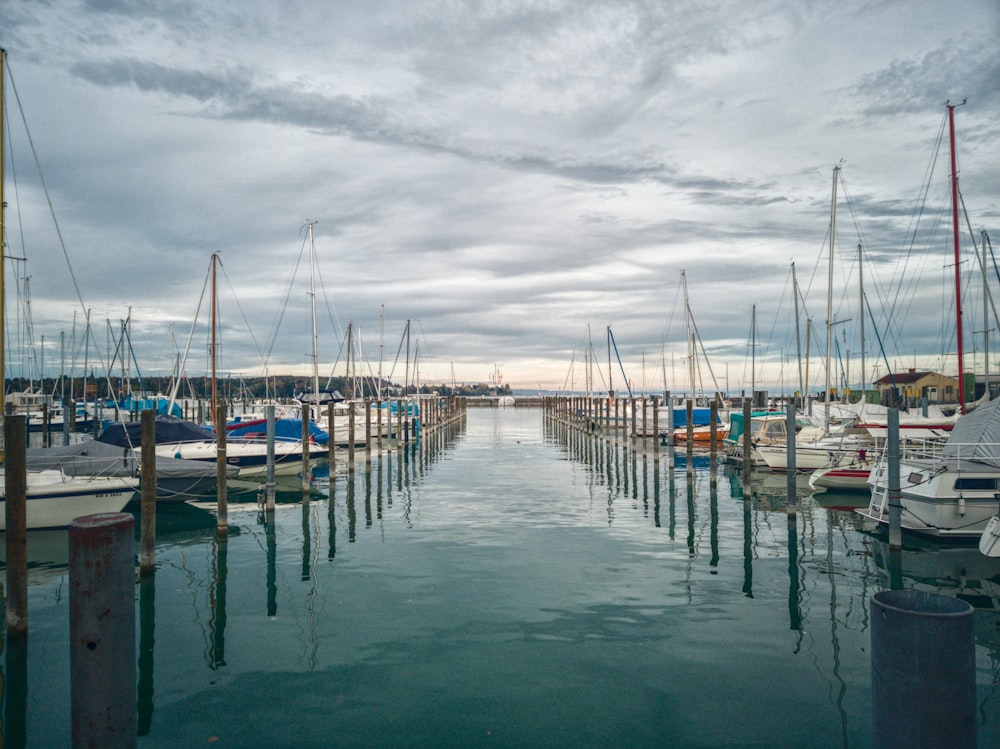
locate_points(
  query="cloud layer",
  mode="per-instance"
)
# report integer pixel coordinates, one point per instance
(506, 178)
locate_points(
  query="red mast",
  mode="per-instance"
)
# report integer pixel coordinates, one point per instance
(958, 273)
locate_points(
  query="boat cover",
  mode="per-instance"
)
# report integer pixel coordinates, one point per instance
(168, 429)
(95, 458)
(976, 435)
(284, 429)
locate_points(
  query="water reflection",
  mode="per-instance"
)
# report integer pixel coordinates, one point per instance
(14, 690)
(465, 576)
(147, 643)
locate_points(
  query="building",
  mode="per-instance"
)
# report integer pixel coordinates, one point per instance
(909, 389)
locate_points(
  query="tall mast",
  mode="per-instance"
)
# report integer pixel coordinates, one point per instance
(611, 387)
(215, 262)
(589, 369)
(986, 324)
(689, 336)
(958, 274)
(349, 382)
(312, 295)
(381, 345)
(829, 304)
(3, 236)
(861, 292)
(798, 337)
(406, 382)
(753, 351)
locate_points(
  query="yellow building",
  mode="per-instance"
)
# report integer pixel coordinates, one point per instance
(913, 386)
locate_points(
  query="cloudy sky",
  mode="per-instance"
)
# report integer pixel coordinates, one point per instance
(511, 177)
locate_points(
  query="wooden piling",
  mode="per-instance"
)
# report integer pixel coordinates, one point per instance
(368, 431)
(892, 485)
(269, 485)
(147, 540)
(102, 630)
(790, 456)
(747, 444)
(305, 447)
(16, 518)
(222, 503)
(689, 430)
(350, 438)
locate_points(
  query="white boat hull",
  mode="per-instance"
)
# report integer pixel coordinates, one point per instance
(53, 501)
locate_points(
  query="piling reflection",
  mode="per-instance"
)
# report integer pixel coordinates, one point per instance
(15, 691)
(147, 643)
(217, 604)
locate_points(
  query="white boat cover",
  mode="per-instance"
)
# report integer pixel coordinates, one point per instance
(976, 435)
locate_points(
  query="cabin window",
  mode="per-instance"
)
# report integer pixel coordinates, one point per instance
(980, 484)
(915, 478)
(775, 429)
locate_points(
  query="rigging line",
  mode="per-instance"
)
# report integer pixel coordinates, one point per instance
(774, 322)
(979, 260)
(628, 386)
(881, 348)
(187, 347)
(276, 326)
(704, 353)
(48, 199)
(243, 314)
(915, 219)
(331, 310)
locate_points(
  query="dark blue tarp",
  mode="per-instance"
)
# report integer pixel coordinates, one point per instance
(167, 429)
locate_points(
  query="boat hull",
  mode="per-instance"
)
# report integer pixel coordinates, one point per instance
(55, 503)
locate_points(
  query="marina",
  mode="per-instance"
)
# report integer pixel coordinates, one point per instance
(509, 580)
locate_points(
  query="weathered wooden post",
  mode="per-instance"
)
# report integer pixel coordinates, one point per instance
(102, 630)
(790, 456)
(892, 486)
(368, 431)
(16, 517)
(747, 444)
(656, 429)
(713, 441)
(331, 429)
(222, 503)
(147, 473)
(305, 445)
(269, 484)
(350, 439)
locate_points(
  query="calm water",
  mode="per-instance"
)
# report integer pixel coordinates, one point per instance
(521, 585)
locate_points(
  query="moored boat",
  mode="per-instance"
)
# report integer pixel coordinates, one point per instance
(54, 499)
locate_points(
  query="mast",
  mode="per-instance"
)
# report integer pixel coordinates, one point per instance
(312, 295)
(3, 237)
(986, 323)
(829, 304)
(798, 337)
(406, 382)
(589, 369)
(861, 293)
(611, 387)
(349, 381)
(689, 336)
(381, 346)
(753, 351)
(215, 394)
(958, 275)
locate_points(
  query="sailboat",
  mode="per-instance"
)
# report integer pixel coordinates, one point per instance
(53, 499)
(955, 493)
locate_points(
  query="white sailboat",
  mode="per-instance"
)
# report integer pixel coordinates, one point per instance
(956, 493)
